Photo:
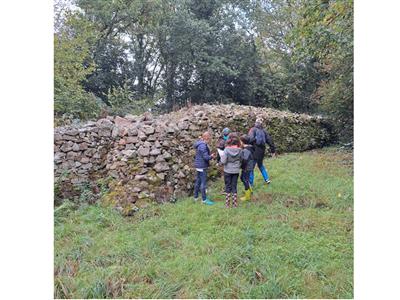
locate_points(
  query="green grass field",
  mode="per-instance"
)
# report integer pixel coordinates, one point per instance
(295, 240)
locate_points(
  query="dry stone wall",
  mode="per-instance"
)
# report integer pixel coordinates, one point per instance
(146, 158)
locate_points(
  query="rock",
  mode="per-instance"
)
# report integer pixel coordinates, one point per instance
(105, 132)
(132, 140)
(161, 176)
(83, 146)
(115, 132)
(136, 189)
(105, 123)
(183, 125)
(142, 136)
(85, 160)
(132, 132)
(144, 151)
(122, 122)
(151, 138)
(160, 167)
(140, 177)
(70, 138)
(148, 130)
(128, 153)
(59, 156)
(155, 152)
(75, 147)
(72, 155)
(87, 166)
(130, 147)
(167, 155)
(160, 158)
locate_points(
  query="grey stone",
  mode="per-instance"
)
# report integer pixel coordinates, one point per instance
(148, 130)
(128, 153)
(132, 140)
(144, 151)
(155, 152)
(85, 160)
(105, 123)
(160, 167)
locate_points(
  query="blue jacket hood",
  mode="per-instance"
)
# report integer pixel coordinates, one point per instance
(198, 143)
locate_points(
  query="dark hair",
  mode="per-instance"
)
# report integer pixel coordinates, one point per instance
(245, 139)
(233, 140)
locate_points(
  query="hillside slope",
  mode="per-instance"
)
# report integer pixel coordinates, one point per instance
(294, 240)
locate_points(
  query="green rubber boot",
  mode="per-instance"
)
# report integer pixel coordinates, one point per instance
(247, 195)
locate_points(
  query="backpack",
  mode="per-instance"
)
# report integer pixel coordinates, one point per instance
(259, 136)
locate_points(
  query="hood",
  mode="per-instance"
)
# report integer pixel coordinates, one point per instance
(233, 151)
(198, 143)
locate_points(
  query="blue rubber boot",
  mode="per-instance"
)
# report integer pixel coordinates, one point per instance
(208, 202)
(264, 174)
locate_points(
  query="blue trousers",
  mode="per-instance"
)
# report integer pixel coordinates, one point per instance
(263, 171)
(200, 184)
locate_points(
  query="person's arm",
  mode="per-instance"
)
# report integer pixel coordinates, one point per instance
(270, 142)
(252, 138)
(204, 152)
(244, 160)
(223, 158)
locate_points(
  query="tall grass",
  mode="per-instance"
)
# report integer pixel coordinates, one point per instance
(295, 240)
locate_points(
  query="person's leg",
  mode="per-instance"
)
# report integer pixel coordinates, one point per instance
(203, 184)
(197, 185)
(234, 189)
(243, 179)
(246, 179)
(263, 170)
(246, 182)
(227, 179)
(251, 177)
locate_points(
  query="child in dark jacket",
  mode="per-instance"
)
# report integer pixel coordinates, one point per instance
(201, 163)
(231, 159)
(247, 166)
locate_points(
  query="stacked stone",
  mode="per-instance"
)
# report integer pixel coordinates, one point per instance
(151, 157)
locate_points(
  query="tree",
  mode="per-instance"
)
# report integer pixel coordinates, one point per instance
(72, 64)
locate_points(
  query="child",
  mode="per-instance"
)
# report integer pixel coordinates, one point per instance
(201, 163)
(231, 159)
(247, 166)
(222, 140)
(220, 149)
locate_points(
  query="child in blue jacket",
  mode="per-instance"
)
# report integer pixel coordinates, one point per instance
(201, 163)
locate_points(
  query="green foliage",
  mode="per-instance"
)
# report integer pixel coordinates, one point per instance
(325, 34)
(122, 101)
(72, 63)
(294, 240)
